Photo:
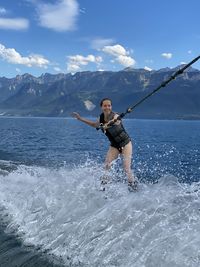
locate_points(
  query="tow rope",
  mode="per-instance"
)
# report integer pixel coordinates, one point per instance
(162, 85)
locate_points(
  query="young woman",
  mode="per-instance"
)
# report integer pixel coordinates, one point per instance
(120, 142)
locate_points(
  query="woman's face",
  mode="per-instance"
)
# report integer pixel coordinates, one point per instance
(106, 106)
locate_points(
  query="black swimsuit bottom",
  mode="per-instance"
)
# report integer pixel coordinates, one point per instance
(120, 148)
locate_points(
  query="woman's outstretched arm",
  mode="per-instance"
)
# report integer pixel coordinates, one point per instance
(94, 124)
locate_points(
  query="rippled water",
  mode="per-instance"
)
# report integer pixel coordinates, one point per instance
(53, 213)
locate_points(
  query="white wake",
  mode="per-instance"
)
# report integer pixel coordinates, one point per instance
(63, 211)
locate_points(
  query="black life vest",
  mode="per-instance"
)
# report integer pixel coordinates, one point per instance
(116, 134)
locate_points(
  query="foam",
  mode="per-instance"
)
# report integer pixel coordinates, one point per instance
(63, 211)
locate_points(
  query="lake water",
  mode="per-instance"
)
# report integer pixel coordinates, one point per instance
(53, 214)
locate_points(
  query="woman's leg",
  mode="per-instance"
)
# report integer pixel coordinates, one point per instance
(112, 154)
(127, 156)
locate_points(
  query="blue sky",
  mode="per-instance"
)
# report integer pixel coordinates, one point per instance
(54, 36)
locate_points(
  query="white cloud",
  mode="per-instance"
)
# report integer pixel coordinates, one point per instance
(75, 62)
(115, 50)
(61, 16)
(89, 105)
(18, 70)
(120, 55)
(167, 55)
(12, 56)
(57, 69)
(73, 67)
(125, 60)
(189, 51)
(99, 43)
(82, 10)
(2, 11)
(14, 23)
(147, 68)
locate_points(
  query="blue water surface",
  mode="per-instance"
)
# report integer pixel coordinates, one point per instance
(160, 146)
(52, 212)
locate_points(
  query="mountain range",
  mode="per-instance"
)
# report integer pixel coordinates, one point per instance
(60, 94)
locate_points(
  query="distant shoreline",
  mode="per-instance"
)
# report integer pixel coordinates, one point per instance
(94, 118)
